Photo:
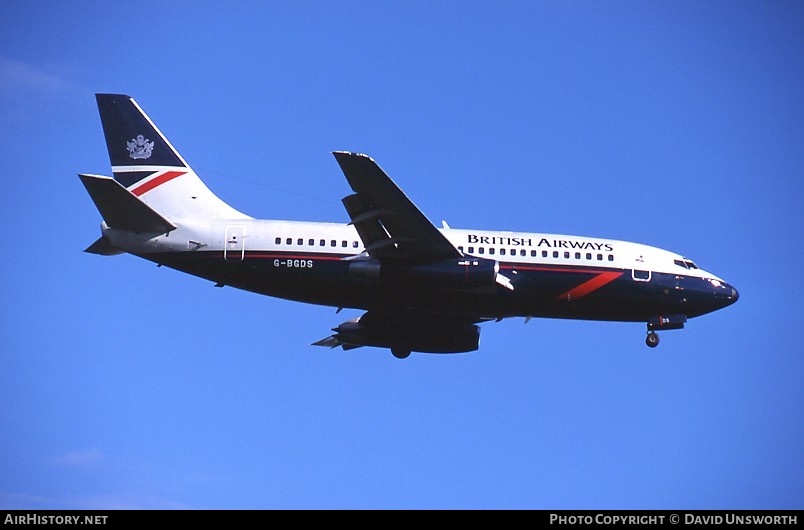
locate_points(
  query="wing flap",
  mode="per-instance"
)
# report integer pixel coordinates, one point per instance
(366, 220)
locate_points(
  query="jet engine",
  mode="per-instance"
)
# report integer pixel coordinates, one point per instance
(404, 337)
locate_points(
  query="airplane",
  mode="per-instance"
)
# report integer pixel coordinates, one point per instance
(421, 288)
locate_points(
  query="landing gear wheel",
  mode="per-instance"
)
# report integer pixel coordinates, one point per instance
(400, 353)
(652, 339)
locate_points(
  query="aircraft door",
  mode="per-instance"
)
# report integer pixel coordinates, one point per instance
(640, 275)
(235, 246)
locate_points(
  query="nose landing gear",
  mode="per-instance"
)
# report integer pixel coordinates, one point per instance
(663, 322)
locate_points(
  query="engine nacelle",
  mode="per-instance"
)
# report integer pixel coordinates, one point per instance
(365, 269)
(466, 272)
(411, 337)
(462, 272)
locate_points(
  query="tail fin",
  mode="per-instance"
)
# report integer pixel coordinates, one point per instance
(147, 165)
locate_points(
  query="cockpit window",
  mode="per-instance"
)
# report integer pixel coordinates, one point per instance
(687, 264)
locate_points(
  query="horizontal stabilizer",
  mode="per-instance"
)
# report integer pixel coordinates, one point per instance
(122, 209)
(103, 247)
(333, 342)
(329, 342)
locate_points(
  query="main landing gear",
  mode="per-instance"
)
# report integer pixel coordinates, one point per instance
(400, 353)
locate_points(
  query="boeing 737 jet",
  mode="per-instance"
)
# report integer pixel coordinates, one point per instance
(421, 288)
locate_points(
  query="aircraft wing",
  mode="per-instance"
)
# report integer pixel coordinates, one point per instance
(389, 224)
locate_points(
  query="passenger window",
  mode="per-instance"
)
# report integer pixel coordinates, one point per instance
(544, 253)
(278, 241)
(502, 252)
(600, 257)
(311, 242)
(533, 254)
(566, 255)
(522, 252)
(481, 250)
(354, 244)
(460, 248)
(300, 241)
(289, 241)
(333, 243)
(588, 255)
(577, 255)
(344, 243)
(491, 251)
(322, 242)
(555, 253)
(611, 257)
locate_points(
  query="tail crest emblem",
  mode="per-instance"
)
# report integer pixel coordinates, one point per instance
(140, 148)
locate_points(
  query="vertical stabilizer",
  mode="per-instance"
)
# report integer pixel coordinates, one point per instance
(146, 164)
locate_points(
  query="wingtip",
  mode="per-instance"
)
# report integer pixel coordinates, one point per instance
(103, 95)
(350, 154)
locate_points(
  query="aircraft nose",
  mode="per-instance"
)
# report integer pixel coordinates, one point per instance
(727, 294)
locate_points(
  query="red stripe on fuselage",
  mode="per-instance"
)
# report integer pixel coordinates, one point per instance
(282, 255)
(590, 286)
(158, 181)
(547, 268)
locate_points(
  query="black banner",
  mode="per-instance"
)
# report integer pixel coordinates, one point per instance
(102, 518)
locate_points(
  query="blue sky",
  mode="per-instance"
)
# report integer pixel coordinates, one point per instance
(676, 124)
